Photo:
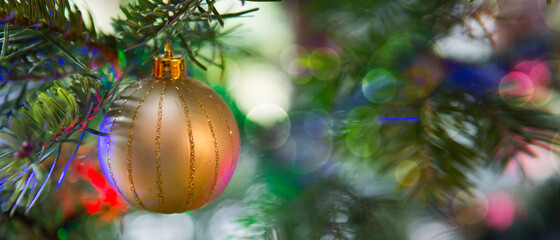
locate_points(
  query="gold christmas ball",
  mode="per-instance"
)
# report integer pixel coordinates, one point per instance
(173, 142)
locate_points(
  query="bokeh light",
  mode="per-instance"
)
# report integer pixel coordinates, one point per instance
(379, 85)
(267, 122)
(501, 210)
(470, 206)
(429, 229)
(293, 59)
(143, 225)
(527, 83)
(259, 84)
(516, 88)
(407, 173)
(324, 63)
(258, 33)
(267, 114)
(539, 73)
(62, 234)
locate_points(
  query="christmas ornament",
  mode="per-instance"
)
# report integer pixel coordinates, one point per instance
(173, 142)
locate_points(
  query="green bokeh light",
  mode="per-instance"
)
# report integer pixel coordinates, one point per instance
(379, 85)
(62, 234)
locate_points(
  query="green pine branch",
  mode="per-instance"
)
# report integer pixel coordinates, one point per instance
(36, 131)
(38, 38)
(54, 16)
(190, 25)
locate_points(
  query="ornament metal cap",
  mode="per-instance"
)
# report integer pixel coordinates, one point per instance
(168, 66)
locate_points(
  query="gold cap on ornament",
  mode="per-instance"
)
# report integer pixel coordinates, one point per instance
(168, 66)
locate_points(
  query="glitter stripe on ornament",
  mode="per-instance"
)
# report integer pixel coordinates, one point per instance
(233, 160)
(129, 147)
(158, 147)
(111, 132)
(192, 162)
(217, 166)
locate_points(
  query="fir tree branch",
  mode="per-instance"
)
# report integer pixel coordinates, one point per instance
(28, 25)
(54, 16)
(188, 24)
(32, 133)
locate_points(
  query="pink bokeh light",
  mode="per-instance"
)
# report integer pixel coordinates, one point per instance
(501, 211)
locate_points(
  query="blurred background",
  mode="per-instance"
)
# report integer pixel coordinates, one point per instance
(360, 119)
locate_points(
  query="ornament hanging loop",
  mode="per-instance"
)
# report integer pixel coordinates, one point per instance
(168, 50)
(168, 66)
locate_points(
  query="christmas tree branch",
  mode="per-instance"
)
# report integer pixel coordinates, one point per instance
(54, 16)
(188, 24)
(30, 27)
(32, 133)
